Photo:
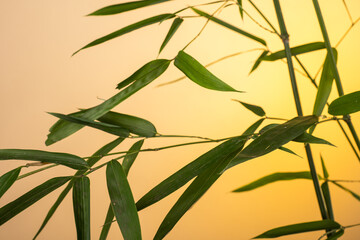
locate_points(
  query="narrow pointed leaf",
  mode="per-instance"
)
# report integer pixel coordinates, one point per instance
(300, 228)
(107, 224)
(127, 29)
(336, 235)
(229, 26)
(289, 151)
(174, 27)
(241, 9)
(326, 193)
(65, 159)
(13, 208)
(275, 177)
(199, 74)
(136, 125)
(8, 179)
(131, 156)
(184, 175)
(63, 129)
(122, 201)
(124, 7)
(325, 171)
(259, 60)
(81, 205)
(355, 195)
(308, 138)
(253, 108)
(109, 128)
(92, 160)
(346, 104)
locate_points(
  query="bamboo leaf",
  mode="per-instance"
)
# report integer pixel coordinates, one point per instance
(346, 104)
(92, 161)
(131, 156)
(184, 175)
(122, 201)
(124, 7)
(65, 159)
(229, 26)
(336, 235)
(63, 129)
(8, 179)
(355, 195)
(300, 228)
(326, 193)
(127, 29)
(13, 208)
(325, 171)
(109, 128)
(81, 205)
(241, 9)
(199, 74)
(280, 176)
(107, 224)
(308, 138)
(289, 151)
(174, 27)
(258, 61)
(253, 108)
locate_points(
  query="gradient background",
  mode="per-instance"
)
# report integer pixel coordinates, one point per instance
(38, 75)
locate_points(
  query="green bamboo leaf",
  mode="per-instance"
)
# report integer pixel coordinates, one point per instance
(289, 151)
(131, 156)
(336, 235)
(107, 224)
(325, 171)
(174, 27)
(63, 129)
(136, 125)
(8, 179)
(127, 29)
(122, 201)
(355, 195)
(326, 193)
(65, 159)
(81, 205)
(109, 128)
(308, 138)
(13, 208)
(185, 174)
(229, 26)
(199, 74)
(92, 161)
(346, 104)
(124, 7)
(300, 228)
(241, 9)
(280, 176)
(325, 86)
(258, 61)
(253, 108)
(194, 192)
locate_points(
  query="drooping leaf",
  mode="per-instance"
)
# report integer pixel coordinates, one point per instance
(241, 9)
(184, 175)
(289, 151)
(346, 104)
(109, 128)
(65, 159)
(336, 235)
(308, 138)
(174, 27)
(127, 29)
(81, 205)
(92, 160)
(131, 156)
(107, 224)
(63, 129)
(136, 125)
(229, 26)
(325, 85)
(253, 108)
(280, 176)
(258, 61)
(8, 179)
(122, 201)
(199, 74)
(300, 228)
(124, 7)
(355, 195)
(13, 208)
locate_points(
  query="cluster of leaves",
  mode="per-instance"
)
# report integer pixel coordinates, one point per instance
(205, 170)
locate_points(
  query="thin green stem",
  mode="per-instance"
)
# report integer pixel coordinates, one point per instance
(285, 40)
(264, 17)
(348, 139)
(36, 171)
(354, 225)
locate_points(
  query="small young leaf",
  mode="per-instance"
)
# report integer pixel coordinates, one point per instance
(241, 9)
(259, 60)
(13, 208)
(174, 27)
(199, 74)
(300, 228)
(255, 109)
(346, 104)
(281, 176)
(42, 156)
(122, 201)
(81, 205)
(63, 129)
(229, 26)
(8, 179)
(326, 174)
(348, 190)
(127, 29)
(131, 156)
(124, 7)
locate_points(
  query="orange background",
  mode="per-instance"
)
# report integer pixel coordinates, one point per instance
(38, 75)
